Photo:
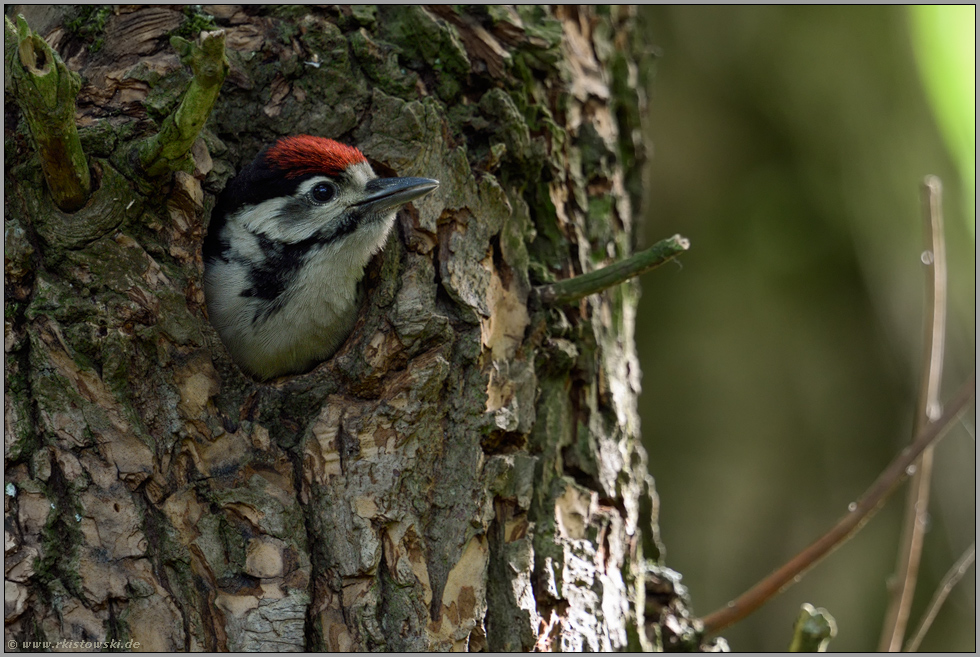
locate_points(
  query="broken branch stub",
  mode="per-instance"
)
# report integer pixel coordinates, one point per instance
(813, 630)
(45, 90)
(571, 290)
(169, 149)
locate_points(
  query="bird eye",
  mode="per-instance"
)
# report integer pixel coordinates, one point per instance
(322, 192)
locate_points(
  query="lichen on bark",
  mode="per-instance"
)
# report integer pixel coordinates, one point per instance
(465, 473)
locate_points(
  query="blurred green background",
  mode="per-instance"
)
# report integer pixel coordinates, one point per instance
(780, 359)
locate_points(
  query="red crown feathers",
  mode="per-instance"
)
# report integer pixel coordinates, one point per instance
(305, 154)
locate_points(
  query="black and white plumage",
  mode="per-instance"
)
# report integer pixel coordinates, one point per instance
(286, 249)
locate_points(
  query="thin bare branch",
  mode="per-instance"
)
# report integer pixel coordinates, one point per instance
(950, 579)
(858, 514)
(571, 290)
(917, 506)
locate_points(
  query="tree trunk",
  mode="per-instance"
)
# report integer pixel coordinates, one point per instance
(465, 473)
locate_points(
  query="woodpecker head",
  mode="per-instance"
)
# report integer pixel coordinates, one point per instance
(286, 248)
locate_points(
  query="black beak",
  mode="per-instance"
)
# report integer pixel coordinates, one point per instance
(387, 193)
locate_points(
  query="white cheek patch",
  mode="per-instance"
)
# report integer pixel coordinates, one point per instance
(244, 244)
(262, 218)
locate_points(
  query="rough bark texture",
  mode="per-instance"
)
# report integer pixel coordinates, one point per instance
(464, 474)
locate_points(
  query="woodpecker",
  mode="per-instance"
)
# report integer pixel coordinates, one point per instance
(286, 248)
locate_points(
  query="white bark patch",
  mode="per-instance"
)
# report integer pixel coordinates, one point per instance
(464, 598)
(247, 511)
(33, 510)
(244, 38)
(573, 511)
(183, 511)
(273, 623)
(511, 395)
(19, 567)
(226, 452)
(69, 465)
(260, 438)
(558, 193)
(14, 600)
(365, 507)
(195, 391)
(156, 623)
(406, 558)
(336, 636)
(587, 78)
(264, 557)
(236, 605)
(322, 460)
(503, 330)
(356, 591)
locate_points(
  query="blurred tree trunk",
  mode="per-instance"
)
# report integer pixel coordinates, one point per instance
(465, 473)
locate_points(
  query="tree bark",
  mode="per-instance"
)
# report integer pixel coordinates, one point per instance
(465, 473)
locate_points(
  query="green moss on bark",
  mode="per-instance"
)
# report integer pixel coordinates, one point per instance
(45, 89)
